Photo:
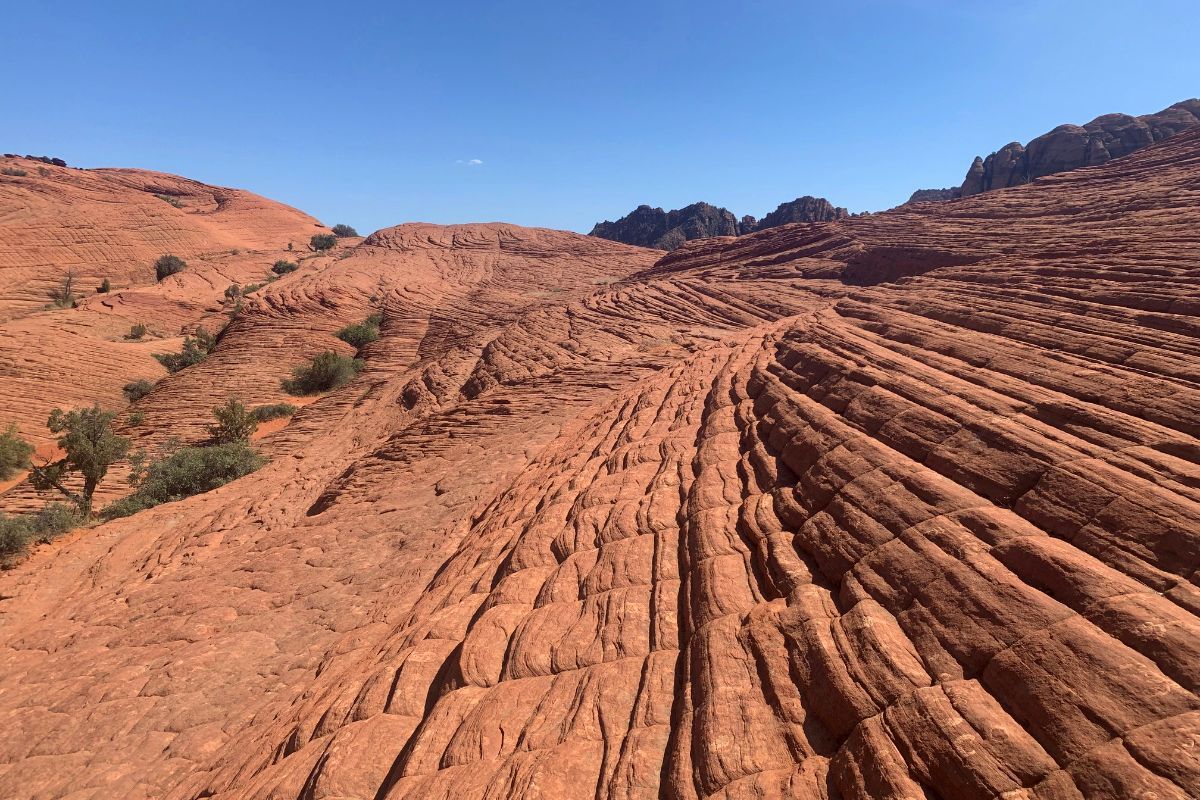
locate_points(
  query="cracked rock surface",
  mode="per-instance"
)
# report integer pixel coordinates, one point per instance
(904, 505)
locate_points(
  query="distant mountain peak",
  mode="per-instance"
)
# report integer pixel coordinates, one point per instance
(1068, 147)
(646, 226)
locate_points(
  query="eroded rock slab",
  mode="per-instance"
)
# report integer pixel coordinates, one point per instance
(903, 506)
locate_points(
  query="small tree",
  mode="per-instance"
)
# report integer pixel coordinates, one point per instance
(169, 265)
(64, 295)
(91, 446)
(341, 230)
(322, 241)
(234, 423)
(14, 452)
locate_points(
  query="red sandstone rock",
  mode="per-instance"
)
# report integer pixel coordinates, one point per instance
(904, 505)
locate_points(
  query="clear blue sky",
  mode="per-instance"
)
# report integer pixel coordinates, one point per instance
(369, 112)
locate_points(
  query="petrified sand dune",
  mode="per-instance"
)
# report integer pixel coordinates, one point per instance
(114, 224)
(899, 506)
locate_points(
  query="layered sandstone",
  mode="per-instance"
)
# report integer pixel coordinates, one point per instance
(97, 224)
(904, 505)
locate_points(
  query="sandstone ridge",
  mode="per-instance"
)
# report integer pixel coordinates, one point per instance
(895, 506)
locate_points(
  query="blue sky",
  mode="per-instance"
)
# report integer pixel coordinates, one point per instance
(372, 113)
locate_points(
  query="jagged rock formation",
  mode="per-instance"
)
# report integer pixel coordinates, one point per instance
(668, 230)
(802, 209)
(904, 505)
(1069, 147)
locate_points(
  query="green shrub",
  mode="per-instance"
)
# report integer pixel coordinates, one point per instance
(322, 241)
(15, 534)
(136, 390)
(135, 418)
(362, 334)
(19, 531)
(250, 288)
(283, 267)
(136, 332)
(273, 411)
(329, 370)
(14, 171)
(195, 349)
(166, 198)
(233, 291)
(105, 287)
(344, 230)
(53, 520)
(90, 445)
(234, 423)
(14, 453)
(183, 472)
(169, 265)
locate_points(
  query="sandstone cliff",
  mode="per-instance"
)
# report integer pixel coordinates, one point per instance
(1069, 147)
(904, 505)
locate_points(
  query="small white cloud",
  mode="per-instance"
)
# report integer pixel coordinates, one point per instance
(470, 162)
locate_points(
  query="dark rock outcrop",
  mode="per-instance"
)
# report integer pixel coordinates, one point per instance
(1069, 147)
(935, 195)
(667, 230)
(802, 209)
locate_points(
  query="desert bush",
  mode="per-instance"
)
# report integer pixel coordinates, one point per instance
(183, 472)
(19, 531)
(105, 287)
(234, 423)
(91, 446)
(233, 291)
(322, 241)
(54, 519)
(363, 333)
(63, 295)
(136, 331)
(343, 230)
(58, 162)
(195, 349)
(136, 390)
(14, 452)
(273, 411)
(251, 288)
(14, 538)
(166, 198)
(15, 172)
(135, 418)
(169, 265)
(327, 371)
(283, 267)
